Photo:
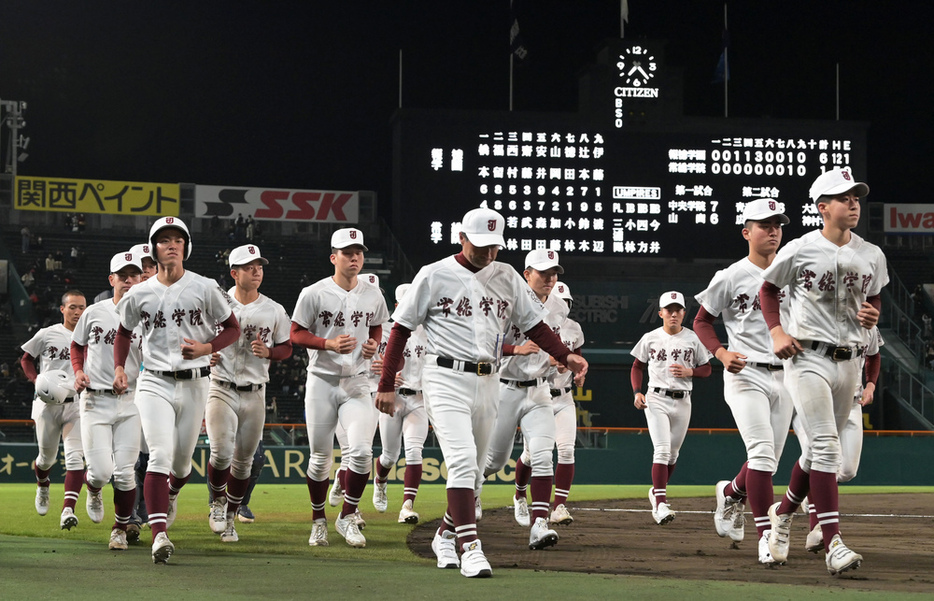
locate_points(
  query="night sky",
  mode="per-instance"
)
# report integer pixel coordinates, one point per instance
(300, 94)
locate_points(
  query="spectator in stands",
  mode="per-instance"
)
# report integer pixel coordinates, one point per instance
(81, 222)
(929, 356)
(73, 256)
(250, 228)
(50, 263)
(29, 281)
(26, 235)
(926, 320)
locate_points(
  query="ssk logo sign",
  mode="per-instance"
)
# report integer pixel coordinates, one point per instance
(909, 218)
(326, 206)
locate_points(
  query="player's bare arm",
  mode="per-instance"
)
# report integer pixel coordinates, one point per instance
(783, 345)
(369, 348)
(343, 344)
(529, 348)
(578, 365)
(216, 359)
(639, 401)
(386, 402)
(82, 381)
(120, 380)
(733, 362)
(192, 349)
(259, 348)
(680, 371)
(868, 316)
(869, 392)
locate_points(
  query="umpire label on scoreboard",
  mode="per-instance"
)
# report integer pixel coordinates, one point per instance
(96, 196)
(275, 204)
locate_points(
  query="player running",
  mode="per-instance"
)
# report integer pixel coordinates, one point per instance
(753, 381)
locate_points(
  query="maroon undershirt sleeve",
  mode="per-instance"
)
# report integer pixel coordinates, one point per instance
(302, 337)
(702, 371)
(703, 327)
(873, 366)
(768, 299)
(281, 351)
(392, 357)
(509, 350)
(78, 353)
(875, 301)
(122, 346)
(549, 342)
(636, 374)
(228, 335)
(28, 362)
(376, 333)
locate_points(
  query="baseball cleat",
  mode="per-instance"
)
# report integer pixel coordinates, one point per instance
(738, 528)
(840, 558)
(542, 536)
(814, 543)
(781, 533)
(229, 535)
(117, 540)
(765, 557)
(171, 511)
(380, 499)
(347, 527)
(336, 496)
(319, 533)
(69, 519)
(663, 514)
(721, 521)
(444, 545)
(520, 510)
(473, 561)
(42, 500)
(561, 515)
(358, 519)
(217, 518)
(478, 509)
(407, 514)
(94, 504)
(245, 515)
(162, 548)
(653, 503)
(132, 532)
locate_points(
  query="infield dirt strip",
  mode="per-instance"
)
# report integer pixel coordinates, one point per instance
(894, 534)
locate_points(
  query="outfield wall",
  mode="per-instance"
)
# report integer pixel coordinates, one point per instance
(705, 459)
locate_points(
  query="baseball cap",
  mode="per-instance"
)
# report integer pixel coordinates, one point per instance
(121, 260)
(837, 181)
(54, 386)
(164, 223)
(347, 236)
(562, 291)
(763, 208)
(543, 259)
(141, 251)
(671, 298)
(401, 289)
(370, 278)
(484, 227)
(245, 254)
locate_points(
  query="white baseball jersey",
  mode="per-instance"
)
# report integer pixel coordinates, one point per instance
(327, 310)
(97, 330)
(264, 317)
(448, 298)
(660, 350)
(573, 337)
(190, 308)
(413, 355)
(536, 365)
(827, 285)
(734, 293)
(52, 347)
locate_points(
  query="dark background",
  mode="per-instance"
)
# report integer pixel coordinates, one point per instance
(300, 94)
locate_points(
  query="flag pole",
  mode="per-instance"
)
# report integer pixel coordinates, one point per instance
(726, 69)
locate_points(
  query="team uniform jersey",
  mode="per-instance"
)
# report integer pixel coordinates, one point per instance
(52, 347)
(450, 297)
(827, 286)
(264, 317)
(328, 311)
(573, 337)
(189, 308)
(97, 330)
(733, 293)
(660, 350)
(536, 365)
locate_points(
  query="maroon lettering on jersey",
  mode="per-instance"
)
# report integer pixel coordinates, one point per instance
(827, 283)
(248, 331)
(651, 354)
(688, 356)
(144, 317)
(516, 332)
(406, 352)
(867, 279)
(158, 320)
(463, 307)
(419, 350)
(264, 333)
(325, 317)
(339, 319)
(65, 353)
(96, 332)
(501, 307)
(356, 317)
(675, 353)
(486, 304)
(194, 317)
(178, 316)
(370, 316)
(557, 331)
(756, 305)
(661, 355)
(382, 348)
(111, 337)
(52, 351)
(807, 275)
(849, 279)
(741, 302)
(445, 304)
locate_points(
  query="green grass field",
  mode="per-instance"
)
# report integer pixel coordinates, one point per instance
(273, 559)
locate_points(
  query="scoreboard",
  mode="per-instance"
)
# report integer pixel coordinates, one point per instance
(590, 185)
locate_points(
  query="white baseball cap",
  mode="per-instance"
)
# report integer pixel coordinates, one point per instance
(562, 291)
(671, 298)
(484, 227)
(543, 259)
(837, 181)
(164, 223)
(401, 289)
(245, 254)
(54, 386)
(121, 260)
(370, 278)
(347, 236)
(763, 208)
(142, 251)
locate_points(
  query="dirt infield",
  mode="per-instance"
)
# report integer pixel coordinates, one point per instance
(894, 534)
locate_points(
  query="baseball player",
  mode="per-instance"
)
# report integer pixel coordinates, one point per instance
(753, 381)
(525, 401)
(465, 302)
(110, 426)
(835, 279)
(51, 346)
(408, 423)
(331, 318)
(181, 313)
(236, 409)
(851, 436)
(674, 356)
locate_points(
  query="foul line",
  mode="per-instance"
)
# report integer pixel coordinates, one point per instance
(851, 515)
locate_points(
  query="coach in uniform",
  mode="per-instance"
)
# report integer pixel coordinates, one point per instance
(465, 302)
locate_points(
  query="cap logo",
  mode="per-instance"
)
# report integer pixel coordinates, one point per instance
(146, 248)
(252, 250)
(846, 175)
(491, 225)
(128, 256)
(170, 220)
(674, 295)
(353, 234)
(771, 205)
(551, 255)
(560, 288)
